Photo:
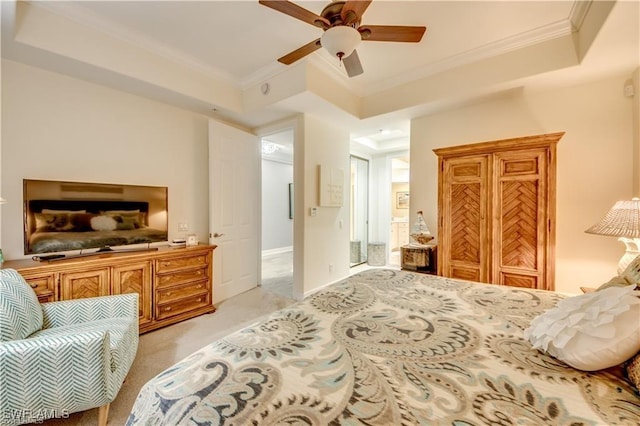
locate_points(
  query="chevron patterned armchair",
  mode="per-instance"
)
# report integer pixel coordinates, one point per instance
(62, 357)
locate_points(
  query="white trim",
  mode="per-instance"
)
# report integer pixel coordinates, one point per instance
(277, 250)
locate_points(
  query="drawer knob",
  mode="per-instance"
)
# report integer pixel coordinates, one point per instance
(199, 299)
(167, 309)
(34, 285)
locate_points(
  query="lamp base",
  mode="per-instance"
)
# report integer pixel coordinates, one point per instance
(633, 250)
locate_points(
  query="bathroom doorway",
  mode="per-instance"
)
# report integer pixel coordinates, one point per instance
(359, 218)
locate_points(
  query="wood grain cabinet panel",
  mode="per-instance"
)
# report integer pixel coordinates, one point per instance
(174, 284)
(496, 215)
(135, 278)
(85, 283)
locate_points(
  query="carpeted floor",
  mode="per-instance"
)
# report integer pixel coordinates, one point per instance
(162, 348)
(277, 273)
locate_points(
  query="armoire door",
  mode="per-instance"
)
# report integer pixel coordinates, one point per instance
(465, 197)
(520, 218)
(496, 210)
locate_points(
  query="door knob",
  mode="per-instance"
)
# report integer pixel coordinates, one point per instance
(216, 235)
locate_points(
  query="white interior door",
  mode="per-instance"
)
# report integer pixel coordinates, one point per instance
(234, 191)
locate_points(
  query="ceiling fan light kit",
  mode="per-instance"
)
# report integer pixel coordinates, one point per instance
(340, 41)
(340, 21)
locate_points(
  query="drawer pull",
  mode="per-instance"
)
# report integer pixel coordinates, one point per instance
(34, 285)
(167, 309)
(199, 299)
(168, 294)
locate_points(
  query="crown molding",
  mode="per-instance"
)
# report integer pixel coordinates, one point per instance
(528, 38)
(578, 12)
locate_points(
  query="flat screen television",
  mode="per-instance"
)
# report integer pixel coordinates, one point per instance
(65, 216)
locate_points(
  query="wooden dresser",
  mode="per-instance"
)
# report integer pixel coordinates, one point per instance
(174, 284)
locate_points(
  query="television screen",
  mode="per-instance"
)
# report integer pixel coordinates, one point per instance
(63, 216)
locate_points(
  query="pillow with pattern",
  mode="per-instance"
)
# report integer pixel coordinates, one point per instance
(50, 222)
(633, 372)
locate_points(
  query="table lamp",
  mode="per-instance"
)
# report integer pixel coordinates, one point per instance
(623, 221)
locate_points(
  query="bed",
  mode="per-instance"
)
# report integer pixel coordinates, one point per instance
(62, 225)
(387, 347)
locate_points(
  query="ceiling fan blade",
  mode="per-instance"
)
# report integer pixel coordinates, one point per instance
(392, 33)
(352, 64)
(356, 6)
(301, 52)
(297, 12)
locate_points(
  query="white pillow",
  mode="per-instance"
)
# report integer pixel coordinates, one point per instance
(103, 223)
(591, 331)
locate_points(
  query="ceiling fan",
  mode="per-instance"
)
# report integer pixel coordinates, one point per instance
(340, 21)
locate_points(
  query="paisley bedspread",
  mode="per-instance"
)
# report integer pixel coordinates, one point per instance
(387, 347)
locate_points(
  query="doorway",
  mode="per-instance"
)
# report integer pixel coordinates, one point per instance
(359, 218)
(400, 196)
(277, 213)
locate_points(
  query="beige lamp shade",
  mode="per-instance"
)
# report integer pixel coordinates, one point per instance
(622, 220)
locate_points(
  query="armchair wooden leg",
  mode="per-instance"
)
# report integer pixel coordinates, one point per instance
(103, 413)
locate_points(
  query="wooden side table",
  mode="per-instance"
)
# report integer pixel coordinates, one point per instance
(419, 258)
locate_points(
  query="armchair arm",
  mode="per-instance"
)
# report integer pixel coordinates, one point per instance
(78, 311)
(66, 373)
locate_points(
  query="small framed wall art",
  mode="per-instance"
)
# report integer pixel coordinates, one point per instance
(331, 186)
(402, 200)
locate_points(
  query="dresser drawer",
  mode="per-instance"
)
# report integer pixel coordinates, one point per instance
(177, 263)
(172, 293)
(181, 277)
(43, 285)
(183, 305)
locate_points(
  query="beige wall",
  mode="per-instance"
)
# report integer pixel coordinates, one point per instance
(595, 160)
(325, 237)
(60, 128)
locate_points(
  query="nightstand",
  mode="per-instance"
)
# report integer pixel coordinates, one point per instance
(419, 258)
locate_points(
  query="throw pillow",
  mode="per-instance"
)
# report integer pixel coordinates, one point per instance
(20, 311)
(47, 222)
(633, 371)
(591, 331)
(103, 223)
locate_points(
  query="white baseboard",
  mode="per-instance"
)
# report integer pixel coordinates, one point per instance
(277, 250)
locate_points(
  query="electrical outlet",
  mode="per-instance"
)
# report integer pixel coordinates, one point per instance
(183, 227)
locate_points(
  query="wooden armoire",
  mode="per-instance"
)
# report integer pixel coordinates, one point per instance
(496, 211)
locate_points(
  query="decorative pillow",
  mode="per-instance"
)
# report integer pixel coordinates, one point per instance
(616, 281)
(631, 275)
(126, 218)
(591, 331)
(20, 311)
(103, 223)
(633, 371)
(126, 221)
(47, 222)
